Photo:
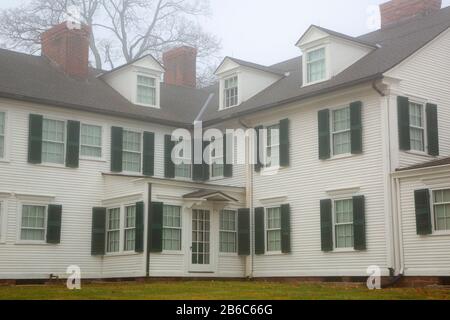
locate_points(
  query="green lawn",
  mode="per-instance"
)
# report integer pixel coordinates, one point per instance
(220, 290)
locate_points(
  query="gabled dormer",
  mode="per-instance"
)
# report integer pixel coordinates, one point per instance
(138, 81)
(326, 53)
(240, 80)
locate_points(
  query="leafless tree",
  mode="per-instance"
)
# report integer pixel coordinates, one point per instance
(122, 30)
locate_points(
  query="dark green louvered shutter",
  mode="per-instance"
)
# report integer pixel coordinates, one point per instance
(356, 127)
(285, 228)
(139, 246)
(35, 138)
(169, 166)
(324, 134)
(148, 166)
(228, 155)
(156, 229)
(205, 175)
(284, 143)
(403, 123)
(423, 212)
(98, 247)
(259, 231)
(197, 168)
(359, 222)
(326, 225)
(54, 217)
(116, 149)
(432, 129)
(73, 144)
(244, 232)
(258, 132)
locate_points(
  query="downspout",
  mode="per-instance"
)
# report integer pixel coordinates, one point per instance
(147, 254)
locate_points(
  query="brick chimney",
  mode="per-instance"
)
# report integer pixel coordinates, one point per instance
(68, 48)
(181, 66)
(396, 11)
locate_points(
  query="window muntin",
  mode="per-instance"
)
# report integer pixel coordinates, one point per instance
(171, 228)
(91, 141)
(230, 92)
(417, 126)
(273, 146)
(2, 134)
(146, 90)
(341, 133)
(273, 223)
(33, 223)
(343, 223)
(130, 228)
(131, 155)
(228, 231)
(184, 169)
(217, 162)
(316, 65)
(53, 136)
(113, 231)
(441, 209)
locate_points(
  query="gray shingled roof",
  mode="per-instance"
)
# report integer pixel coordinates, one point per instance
(31, 78)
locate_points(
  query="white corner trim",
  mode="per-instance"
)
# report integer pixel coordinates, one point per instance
(272, 200)
(343, 191)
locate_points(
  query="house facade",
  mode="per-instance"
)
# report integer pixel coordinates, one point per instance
(346, 166)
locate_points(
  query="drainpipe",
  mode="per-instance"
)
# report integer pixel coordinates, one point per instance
(147, 254)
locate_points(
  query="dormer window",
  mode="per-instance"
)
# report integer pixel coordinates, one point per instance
(146, 90)
(316, 65)
(230, 93)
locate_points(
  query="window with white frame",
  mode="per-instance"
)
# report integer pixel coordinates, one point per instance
(273, 146)
(228, 231)
(130, 228)
(184, 168)
(217, 161)
(132, 151)
(441, 209)
(171, 228)
(113, 230)
(341, 133)
(2, 134)
(273, 223)
(230, 92)
(53, 141)
(33, 224)
(146, 90)
(343, 223)
(316, 65)
(91, 141)
(417, 126)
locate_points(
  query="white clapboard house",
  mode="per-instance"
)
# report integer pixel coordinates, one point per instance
(357, 174)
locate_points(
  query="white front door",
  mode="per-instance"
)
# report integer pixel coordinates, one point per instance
(201, 259)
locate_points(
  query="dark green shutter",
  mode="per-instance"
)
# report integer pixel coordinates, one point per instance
(285, 228)
(98, 239)
(197, 168)
(359, 222)
(35, 138)
(284, 143)
(116, 149)
(148, 166)
(228, 163)
(259, 231)
(324, 134)
(169, 166)
(326, 225)
(73, 144)
(156, 229)
(244, 232)
(205, 176)
(258, 132)
(403, 123)
(432, 129)
(139, 246)
(54, 217)
(423, 211)
(356, 127)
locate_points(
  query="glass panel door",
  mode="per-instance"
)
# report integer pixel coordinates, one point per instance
(201, 226)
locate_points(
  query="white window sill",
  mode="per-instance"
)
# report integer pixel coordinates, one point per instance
(33, 243)
(5, 160)
(217, 178)
(270, 171)
(92, 159)
(228, 254)
(274, 253)
(315, 82)
(342, 156)
(419, 153)
(122, 254)
(440, 233)
(147, 105)
(343, 250)
(171, 253)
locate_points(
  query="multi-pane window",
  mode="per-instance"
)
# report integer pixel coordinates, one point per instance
(146, 90)
(131, 155)
(184, 168)
(2, 135)
(273, 224)
(316, 65)
(417, 126)
(228, 227)
(441, 204)
(91, 141)
(130, 228)
(171, 228)
(343, 223)
(33, 223)
(53, 135)
(217, 161)
(230, 93)
(341, 131)
(273, 146)
(113, 231)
